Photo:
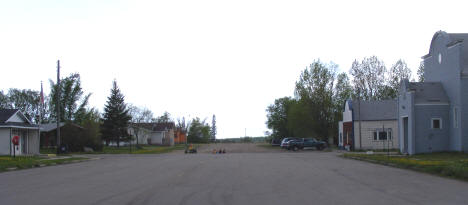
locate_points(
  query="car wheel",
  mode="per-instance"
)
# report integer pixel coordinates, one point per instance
(295, 148)
(320, 147)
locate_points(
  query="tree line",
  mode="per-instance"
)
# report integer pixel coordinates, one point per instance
(320, 92)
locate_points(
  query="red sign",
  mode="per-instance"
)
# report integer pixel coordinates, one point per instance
(15, 140)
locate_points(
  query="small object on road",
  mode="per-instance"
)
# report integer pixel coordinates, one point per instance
(190, 149)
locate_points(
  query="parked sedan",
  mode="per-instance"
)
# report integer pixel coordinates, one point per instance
(285, 142)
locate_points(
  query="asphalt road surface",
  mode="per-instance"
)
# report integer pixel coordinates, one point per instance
(267, 177)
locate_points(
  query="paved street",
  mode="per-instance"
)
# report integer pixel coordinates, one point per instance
(307, 177)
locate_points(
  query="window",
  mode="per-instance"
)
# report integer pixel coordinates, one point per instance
(382, 135)
(436, 123)
(440, 58)
(455, 117)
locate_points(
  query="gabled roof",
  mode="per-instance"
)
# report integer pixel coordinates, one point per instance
(428, 93)
(374, 110)
(6, 114)
(53, 126)
(159, 126)
(50, 126)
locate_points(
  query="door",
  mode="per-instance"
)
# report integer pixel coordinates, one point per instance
(24, 144)
(405, 135)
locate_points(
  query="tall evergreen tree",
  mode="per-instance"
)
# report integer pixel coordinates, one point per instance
(116, 118)
(213, 129)
(421, 72)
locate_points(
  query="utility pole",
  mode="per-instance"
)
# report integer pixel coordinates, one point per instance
(58, 106)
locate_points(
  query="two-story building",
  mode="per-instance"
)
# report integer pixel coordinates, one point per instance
(431, 113)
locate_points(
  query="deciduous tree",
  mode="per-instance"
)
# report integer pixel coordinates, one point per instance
(73, 100)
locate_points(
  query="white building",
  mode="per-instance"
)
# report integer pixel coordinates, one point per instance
(14, 123)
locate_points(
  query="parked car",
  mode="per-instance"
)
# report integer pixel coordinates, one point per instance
(302, 143)
(285, 142)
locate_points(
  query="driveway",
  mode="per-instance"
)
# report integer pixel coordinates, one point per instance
(276, 177)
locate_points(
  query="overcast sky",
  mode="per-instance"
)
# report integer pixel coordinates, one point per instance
(199, 58)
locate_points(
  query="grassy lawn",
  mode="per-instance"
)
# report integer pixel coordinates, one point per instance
(29, 162)
(448, 164)
(145, 149)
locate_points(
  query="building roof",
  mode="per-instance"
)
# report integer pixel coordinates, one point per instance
(159, 126)
(18, 125)
(428, 93)
(374, 110)
(6, 114)
(50, 126)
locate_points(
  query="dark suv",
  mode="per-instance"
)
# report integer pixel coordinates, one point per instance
(306, 143)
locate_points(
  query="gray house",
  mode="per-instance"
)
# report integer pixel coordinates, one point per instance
(431, 113)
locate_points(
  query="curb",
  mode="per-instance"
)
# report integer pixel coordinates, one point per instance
(47, 165)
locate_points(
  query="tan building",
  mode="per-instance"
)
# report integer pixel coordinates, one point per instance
(369, 125)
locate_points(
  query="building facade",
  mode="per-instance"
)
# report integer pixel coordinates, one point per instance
(431, 113)
(14, 123)
(369, 125)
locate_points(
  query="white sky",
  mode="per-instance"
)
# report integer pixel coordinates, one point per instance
(199, 58)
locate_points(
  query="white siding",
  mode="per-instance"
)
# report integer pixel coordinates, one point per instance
(4, 141)
(157, 138)
(367, 131)
(15, 118)
(347, 114)
(33, 142)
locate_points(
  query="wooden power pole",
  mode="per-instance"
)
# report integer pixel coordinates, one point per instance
(58, 106)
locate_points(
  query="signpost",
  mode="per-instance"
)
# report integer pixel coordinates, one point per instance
(15, 142)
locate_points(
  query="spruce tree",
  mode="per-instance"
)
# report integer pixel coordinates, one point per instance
(213, 129)
(116, 118)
